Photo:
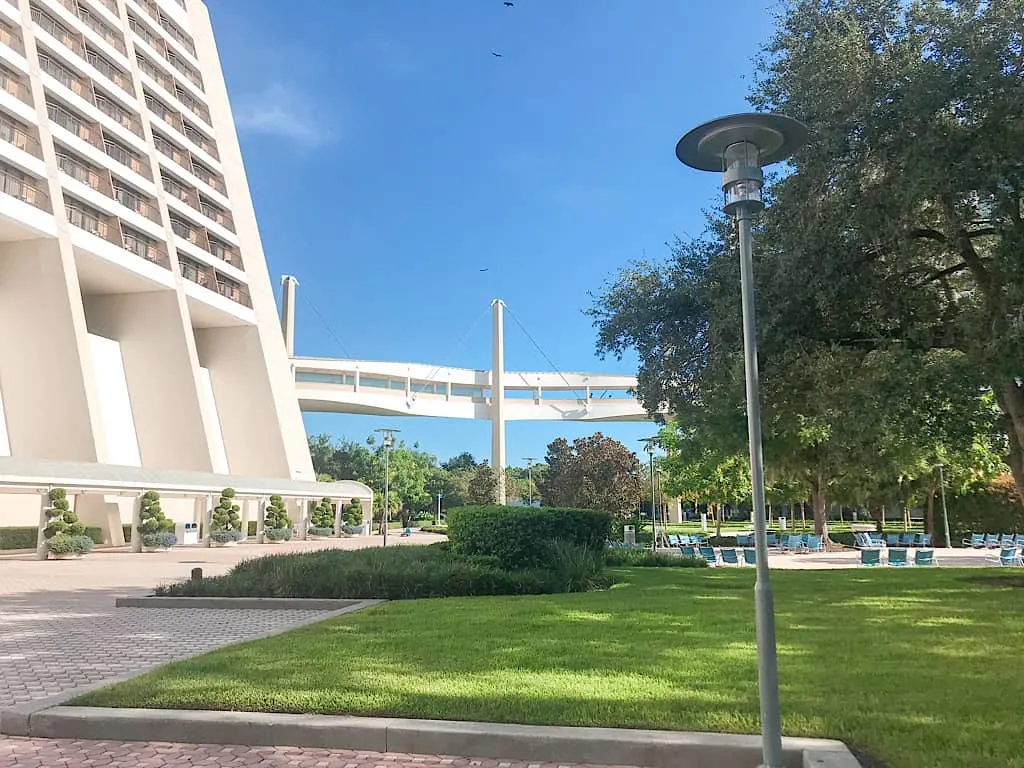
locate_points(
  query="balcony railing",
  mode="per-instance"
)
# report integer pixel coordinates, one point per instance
(185, 68)
(119, 113)
(164, 80)
(111, 5)
(58, 31)
(11, 37)
(199, 139)
(95, 24)
(83, 129)
(145, 247)
(119, 78)
(133, 200)
(79, 171)
(234, 291)
(17, 135)
(216, 214)
(15, 86)
(208, 277)
(82, 216)
(197, 107)
(209, 178)
(65, 77)
(13, 183)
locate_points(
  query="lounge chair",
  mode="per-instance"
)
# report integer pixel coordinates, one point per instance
(1008, 540)
(897, 557)
(708, 553)
(688, 550)
(907, 540)
(1010, 556)
(876, 539)
(773, 540)
(924, 557)
(673, 540)
(864, 541)
(991, 541)
(750, 556)
(815, 544)
(870, 557)
(892, 540)
(977, 541)
(793, 543)
(744, 540)
(1020, 539)
(729, 556)
(923, 540)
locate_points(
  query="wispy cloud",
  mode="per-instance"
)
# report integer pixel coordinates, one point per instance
(287, 113)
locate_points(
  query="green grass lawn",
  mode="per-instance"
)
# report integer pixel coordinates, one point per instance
(917, 668)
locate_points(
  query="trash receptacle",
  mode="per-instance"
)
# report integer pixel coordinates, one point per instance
(629, 535)
(782, 523)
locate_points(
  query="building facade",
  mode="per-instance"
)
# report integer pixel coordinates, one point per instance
(137, 318)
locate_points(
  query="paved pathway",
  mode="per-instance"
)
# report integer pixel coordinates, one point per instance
(36, 753)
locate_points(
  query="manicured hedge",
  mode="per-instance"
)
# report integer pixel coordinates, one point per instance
(520, 537)
(24, 537)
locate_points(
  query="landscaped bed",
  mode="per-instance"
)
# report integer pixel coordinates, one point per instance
(918, 669)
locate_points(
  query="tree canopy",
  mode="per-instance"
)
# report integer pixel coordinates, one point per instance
(593, 472)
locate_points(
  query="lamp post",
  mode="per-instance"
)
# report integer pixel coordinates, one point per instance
(440, 495)
(738, 146)
(388, 440)
(649, 443)
(529, 474)
(945, 514)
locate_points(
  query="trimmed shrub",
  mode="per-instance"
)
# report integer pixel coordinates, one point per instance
(156, 529)
(18, 537)
(351, 530)
(320, 531)
(95, 534)
(278, 534)
(644, 558)
(225, 516)
(395, 573)
(994, 509)
(223, 537)
(354, 514)
(434, 529)
(61, 519)
(250, 528)
(517, 535)
(66, 544)
(322, 517)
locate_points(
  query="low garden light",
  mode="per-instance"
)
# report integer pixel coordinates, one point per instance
(738, 146)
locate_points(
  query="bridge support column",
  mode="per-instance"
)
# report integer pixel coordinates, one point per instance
(498, 397)
(288, 284)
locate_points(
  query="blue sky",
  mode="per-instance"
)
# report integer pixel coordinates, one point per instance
(391, 158)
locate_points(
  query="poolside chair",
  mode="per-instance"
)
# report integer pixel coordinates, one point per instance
(1010, 556)
(923, 540)
(1020, 540)
(729, 556)
(793, 543)
(1008, 540)
(897, 557)
(673, 540)
(876, 539)
(991, 541)
(805, 537)
(744, 540)
(688, 550)
(924, 557)
(870, 557)
(708, 553)
(750, 556)
(892, 540)
(815, 544)
(773, 540)
(977, 541)
(907, 540)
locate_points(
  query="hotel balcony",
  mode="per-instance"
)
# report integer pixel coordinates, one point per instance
(21, 136)
(26, 188)
(208, 277)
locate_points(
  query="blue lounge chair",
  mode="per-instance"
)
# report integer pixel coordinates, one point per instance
(870, 557)
(907, 540)
(708, 553)
(773, 540)
(991, 541)
(673, 540)
(793, 543)
(750, 556)
(1010, 556)
(897, 557)
(924, 557)
(923, 540)
(977, 541)
(688, 550)
(1020, 539)
(1008, 540)
(805, 537)
(729, 556)
(743, 540)
(876, 539)
(892, 540)
(815, 544)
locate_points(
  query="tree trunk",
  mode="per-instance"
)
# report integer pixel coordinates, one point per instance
(1010, 398)
(718, 523)
(929, 514)
(818, 505)
(803, 516)
(878, 513)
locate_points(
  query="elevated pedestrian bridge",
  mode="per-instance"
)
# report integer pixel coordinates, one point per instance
(416, 389)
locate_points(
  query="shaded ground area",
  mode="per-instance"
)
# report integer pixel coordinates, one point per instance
(41, 753)
(909, 666)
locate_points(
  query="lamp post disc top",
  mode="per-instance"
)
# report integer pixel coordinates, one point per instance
(776, 137)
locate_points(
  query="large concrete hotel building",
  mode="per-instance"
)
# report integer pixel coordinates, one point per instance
(138, 325)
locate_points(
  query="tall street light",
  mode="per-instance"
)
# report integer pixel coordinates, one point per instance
(649, 443)
(440, 495)
(529, 473)
(738, 146)
(388, 441)
(945, 514)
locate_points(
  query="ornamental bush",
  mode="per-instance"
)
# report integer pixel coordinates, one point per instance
(225, 515)
(276, 518)
(156, 529)
(520, 536)
(354, 514)
(321, 521)
(60, 518)
(66, 544)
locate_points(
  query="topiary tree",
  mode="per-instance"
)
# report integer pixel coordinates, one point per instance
(64, 534)
(277, 526)
(225, 524)
(322, 519)
(353, 516)
(156, 529)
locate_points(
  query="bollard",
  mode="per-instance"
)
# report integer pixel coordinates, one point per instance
(197, 574)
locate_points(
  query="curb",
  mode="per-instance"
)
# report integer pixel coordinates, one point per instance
(16, 720)
(238, 603)
(608, 746)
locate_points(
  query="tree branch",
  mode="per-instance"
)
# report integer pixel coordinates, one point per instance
(943, 274)
(928, 234)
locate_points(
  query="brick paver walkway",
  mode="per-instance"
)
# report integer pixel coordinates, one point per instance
(37, 753)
